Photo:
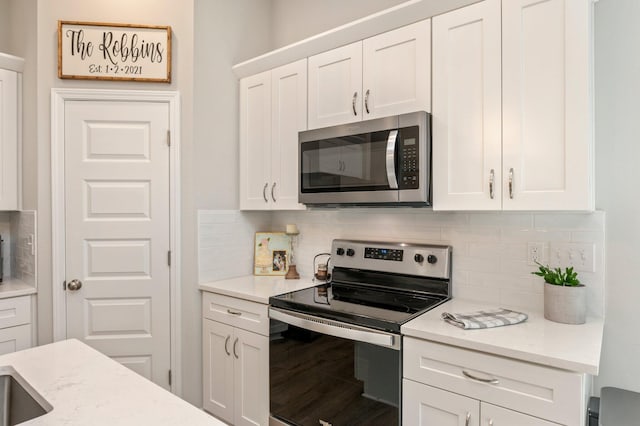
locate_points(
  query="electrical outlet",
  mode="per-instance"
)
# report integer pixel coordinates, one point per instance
(535, 253)
(579, 255)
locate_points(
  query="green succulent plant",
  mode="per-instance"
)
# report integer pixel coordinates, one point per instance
(556, 276)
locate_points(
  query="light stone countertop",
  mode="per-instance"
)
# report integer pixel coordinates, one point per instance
(88, 388)
(256, 288)
(13, 287)
(570, 347)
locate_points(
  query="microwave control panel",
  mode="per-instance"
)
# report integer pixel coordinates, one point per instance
(408, 159)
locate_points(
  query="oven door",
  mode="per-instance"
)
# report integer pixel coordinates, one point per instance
(330, 373)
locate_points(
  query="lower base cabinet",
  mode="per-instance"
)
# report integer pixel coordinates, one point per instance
(236, 374)
(425, 405)
(15, 324)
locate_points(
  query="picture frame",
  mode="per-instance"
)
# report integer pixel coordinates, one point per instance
(108, 51)
(271, 253)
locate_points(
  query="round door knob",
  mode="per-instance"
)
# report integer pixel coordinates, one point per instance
(432, 259)
(74, 285)
(350, 252)
(418, 258)
(340, 251)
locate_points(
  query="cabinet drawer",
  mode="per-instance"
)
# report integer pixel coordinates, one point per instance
(529, 388)
(15, 311)
(239, 313)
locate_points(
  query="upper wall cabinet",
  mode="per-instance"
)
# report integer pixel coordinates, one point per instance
(513, 130)
(10, 131)
(273, 109)
(383, 75)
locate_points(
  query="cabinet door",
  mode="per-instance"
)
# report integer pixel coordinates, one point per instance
(289, 116)
(9, 120)
(14, 339)
(427, 406)
(255, 142)
(467, 133)
(396, 75)
(496, 416)
(335, 86)
(217, 369)
(547, 132)
(251, 352)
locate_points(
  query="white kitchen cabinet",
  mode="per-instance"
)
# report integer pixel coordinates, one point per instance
(428, 406)
(273, 109)
(383, 75)
(508, 391)
(10, 131)
(512, 124)
(235, 360)
(15, 324)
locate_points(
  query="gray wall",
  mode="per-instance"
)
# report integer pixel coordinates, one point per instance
(617, 83)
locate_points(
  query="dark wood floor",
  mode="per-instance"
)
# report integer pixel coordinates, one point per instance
(319, 384)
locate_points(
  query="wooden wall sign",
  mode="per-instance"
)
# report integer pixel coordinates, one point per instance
(98, 51)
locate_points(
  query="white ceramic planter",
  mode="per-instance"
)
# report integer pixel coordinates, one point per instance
(565, 304)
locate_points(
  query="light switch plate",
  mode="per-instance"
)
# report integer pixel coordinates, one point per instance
(579, 255)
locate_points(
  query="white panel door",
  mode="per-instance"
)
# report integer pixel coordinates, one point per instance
(497, 416)
(467, 132)
(428, 406)
(255, 142)
(547, 135)
(335, 86)
(118, 231)
(217, 373)
(9, 140)
(396, 75)
(251, 351)
(289, 116)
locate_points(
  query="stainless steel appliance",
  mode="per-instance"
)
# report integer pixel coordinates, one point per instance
(335, 351)
(381, 161)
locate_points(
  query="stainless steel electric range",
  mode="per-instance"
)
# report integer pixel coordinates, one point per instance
(335, 349)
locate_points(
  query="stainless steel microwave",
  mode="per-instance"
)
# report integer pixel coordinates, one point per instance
(385, 161)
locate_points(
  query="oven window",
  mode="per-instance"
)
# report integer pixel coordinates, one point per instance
(315, 377)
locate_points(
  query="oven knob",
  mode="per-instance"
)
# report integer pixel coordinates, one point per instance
(350, 252)
(432, 259)
(418, 258)
(340, 251)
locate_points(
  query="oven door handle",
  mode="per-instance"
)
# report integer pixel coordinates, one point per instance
(336, 328)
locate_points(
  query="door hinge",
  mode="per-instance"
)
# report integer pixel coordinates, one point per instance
(169, 258)
(168, 137)
(170, 377)
(64, 285)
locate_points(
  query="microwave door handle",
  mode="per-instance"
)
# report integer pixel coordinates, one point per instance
(392, 141)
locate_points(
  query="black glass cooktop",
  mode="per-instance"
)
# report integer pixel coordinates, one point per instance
(383, 309)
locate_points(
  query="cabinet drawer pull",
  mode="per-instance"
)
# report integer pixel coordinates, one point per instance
(273, 188)
(264, 192)
(229, 311)
(366, 102)
(353, 103)
(235, 343)
(480, 379)
(492, 177)
(226, 343)
(490, 422)
(467, 419)
(511, 183)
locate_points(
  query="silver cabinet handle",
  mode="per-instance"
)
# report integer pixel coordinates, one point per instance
(480, 379)
(366, 101)
(226, 345)
(229, 311)
(273, 187)
(467, 419)
(235, 343)
(492, 177)
(74, 285)
(353, 103)
(264, 192)
(490, 422)
(511, 183)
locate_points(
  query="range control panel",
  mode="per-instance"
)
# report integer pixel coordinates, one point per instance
(402, 258)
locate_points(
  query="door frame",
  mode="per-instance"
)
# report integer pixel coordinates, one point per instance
(59, 97)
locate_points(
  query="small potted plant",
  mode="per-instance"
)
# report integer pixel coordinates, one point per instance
(565, 298)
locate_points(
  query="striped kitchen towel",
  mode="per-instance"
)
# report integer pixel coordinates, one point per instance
(485, 319)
